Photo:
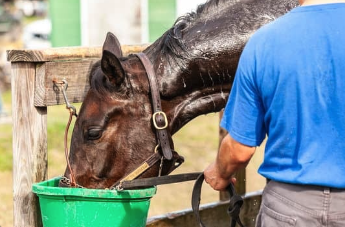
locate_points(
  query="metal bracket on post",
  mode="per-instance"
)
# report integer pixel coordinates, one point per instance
(64, 86)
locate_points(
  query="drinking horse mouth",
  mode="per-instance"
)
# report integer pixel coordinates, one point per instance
(65, 182)
(168, 167)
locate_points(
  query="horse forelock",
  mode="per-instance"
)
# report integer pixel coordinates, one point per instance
(96, 78)
(100, 83)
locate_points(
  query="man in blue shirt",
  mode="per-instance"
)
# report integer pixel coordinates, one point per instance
(290, 85)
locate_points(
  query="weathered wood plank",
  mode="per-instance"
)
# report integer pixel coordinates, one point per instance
(29, 145)
(65, 53)
(40, 80)
(214, 214)
(76, 73)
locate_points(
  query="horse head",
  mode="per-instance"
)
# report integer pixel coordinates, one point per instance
(194, 62)
(114, 132)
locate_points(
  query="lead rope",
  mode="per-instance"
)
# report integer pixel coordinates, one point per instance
(235, 203)
(73, 182)
(73, 112)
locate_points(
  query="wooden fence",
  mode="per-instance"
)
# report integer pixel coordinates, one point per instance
(32, 91)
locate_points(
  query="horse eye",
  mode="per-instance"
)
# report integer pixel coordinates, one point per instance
(94, 133)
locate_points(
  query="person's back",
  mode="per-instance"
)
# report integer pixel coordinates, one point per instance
(299, 63)
(288, 86)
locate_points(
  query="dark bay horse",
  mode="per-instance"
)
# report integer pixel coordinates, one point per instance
(194, 62)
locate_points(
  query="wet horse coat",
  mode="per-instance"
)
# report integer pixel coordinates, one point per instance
(194, 62)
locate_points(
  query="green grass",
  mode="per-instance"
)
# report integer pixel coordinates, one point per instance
(28, 20)
(6, 98)
(6, 136)
(56, 124)
(5, 147)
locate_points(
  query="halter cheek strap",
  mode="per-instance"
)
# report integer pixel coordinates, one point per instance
(159, 118)
(160, 122)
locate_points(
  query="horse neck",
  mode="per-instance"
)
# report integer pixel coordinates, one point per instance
(200, 101)
(189, 88)
(195, 61)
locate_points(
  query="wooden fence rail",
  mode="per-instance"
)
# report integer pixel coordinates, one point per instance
(33, 72)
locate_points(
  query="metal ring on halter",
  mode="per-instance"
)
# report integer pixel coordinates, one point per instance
(161, 163)
(156, 148)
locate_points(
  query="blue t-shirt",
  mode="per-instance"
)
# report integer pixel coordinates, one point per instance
(290, 85)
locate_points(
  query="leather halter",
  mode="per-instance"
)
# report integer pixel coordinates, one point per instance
(160, 122)
(159, 118)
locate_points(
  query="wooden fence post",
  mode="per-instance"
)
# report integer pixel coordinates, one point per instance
(29, 145)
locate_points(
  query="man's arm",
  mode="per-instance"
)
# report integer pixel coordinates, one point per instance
(232, 156)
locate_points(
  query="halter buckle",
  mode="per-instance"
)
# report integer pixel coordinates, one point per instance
(165, 120)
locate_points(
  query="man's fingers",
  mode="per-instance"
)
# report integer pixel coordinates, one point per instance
(233, 180)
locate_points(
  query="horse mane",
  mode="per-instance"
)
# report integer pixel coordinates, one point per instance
(97, 80)
(171, 43)
(209, 5)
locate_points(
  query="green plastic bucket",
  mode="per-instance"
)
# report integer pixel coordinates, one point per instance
(78, 207)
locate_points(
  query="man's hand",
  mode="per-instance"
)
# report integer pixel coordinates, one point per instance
(213, 178)
(232, 156)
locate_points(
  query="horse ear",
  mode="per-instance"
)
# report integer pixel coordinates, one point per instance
(112, 45)
(112, 68)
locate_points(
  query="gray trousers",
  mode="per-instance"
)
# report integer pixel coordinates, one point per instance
(287, 205)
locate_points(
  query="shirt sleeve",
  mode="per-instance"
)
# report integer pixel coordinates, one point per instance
(243, 116)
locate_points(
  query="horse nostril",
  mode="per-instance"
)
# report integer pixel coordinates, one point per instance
(62, 184)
